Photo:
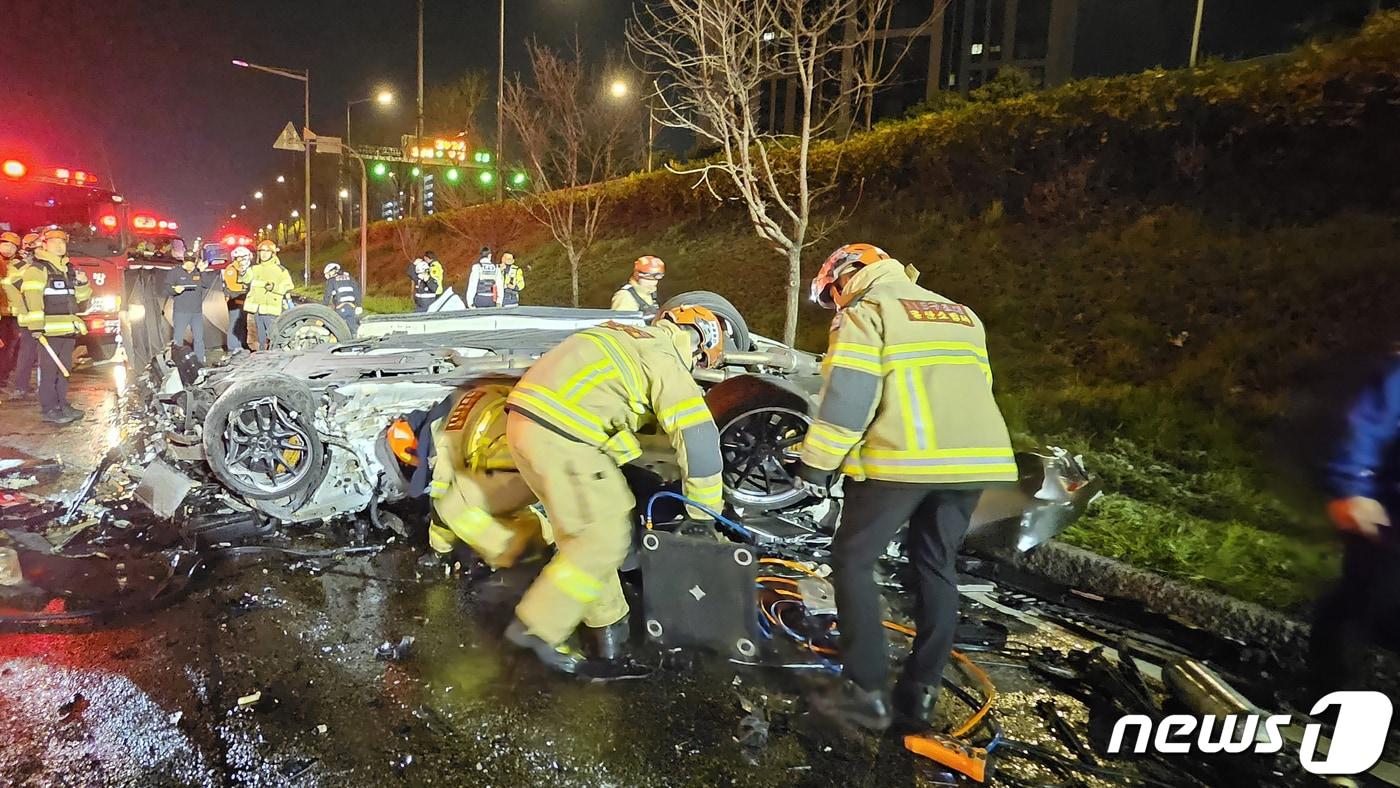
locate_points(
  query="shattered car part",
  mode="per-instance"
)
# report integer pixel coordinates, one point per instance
(1052, 490)
(162, 489)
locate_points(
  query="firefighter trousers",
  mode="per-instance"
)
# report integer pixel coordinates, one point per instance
(53, 384)
(938, 520)
(25, 362)
(589, 508)
(263, 323)
(9, 352)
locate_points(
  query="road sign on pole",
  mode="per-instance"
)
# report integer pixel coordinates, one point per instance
(326, 144)
(288, 139)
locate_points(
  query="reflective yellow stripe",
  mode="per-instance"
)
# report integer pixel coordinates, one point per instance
(1005, 469)
(833, 437)
(996, 452)
(571, 386)
(440, 539)
(861, 358)
(923, 417)
(623, 447)
(571, 580)
(32, 285)
(546, 404)
(711, 495)
(438, 488)
(631, 374)
(919, 347)
(686, 413)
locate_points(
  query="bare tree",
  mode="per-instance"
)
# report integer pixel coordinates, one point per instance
(452, 107)
(572, 137)
(714, 56)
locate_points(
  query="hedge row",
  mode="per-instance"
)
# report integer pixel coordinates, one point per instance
(1302, 134)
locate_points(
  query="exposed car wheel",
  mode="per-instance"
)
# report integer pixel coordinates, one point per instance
(760, 425)
(307, 326)
(735, 327)
(259, 438)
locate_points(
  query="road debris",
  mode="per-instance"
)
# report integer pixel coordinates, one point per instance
(395, 652)
(250, 699)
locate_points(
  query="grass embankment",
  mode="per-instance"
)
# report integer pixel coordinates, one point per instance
(1178, 272)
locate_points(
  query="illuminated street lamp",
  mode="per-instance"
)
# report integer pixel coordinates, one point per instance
(304, 77)
(281, 179)
(618, 88)
(257, 195)
(295, 214)
(243, 207)
(344, 194)
(233, 216)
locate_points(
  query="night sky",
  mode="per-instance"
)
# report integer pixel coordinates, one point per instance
(144, 93)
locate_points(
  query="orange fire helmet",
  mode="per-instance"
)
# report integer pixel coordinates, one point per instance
(841, 262)
(706, 324)
(403, 442)
(268, 244)
(648, 267)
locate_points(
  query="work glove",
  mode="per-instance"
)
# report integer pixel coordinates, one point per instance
(815, 481)
(1359, 515)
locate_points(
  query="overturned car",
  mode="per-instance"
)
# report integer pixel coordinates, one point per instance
(300, 434)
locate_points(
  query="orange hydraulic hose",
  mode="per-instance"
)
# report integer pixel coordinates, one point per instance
(989, 689)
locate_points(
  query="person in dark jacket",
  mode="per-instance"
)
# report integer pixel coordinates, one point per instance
(343, 295)
(187, 285)
(1363, 482)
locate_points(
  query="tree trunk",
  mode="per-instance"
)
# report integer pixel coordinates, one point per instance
(794, 288)
(573, 275)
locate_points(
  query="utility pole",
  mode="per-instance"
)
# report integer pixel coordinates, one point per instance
(306, 180)
(1196, 31)
(417, 189)
(500, 102)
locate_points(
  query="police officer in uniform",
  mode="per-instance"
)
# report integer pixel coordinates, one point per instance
(571, 424)
(484, 285)
(907, 413)
(187, 285)
(342, 294)
(639, 294)
(54, 293)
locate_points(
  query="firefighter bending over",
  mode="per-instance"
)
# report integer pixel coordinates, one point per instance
(571, 424)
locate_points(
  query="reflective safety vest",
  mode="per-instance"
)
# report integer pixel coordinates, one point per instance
(485, 279)
(425, 292)
(908, 389)
(342, 294)
(513, 280)
(602, 385)
(10, 303)
(268, 286)
(52, 298)
(629, 299)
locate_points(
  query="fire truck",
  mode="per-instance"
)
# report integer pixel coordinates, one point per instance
(125, 251)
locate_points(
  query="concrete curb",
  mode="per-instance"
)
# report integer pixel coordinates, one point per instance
(1224, 615)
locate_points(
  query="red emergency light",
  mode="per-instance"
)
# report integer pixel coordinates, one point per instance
(61, 173)
(108, 221)
(13, 168)
(142, 222)
(171, 226)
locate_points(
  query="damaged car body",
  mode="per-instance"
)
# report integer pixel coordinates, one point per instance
(298, 434)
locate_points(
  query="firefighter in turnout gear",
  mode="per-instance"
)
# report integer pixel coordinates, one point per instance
(27, 354)
(907, 413)
(9, 303)
(485, 285)
(571, 424)
(268, 286)
(235, 284)
(342, 294)
(639, 294)
(54, 293)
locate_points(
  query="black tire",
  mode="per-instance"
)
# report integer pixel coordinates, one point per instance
(735, 326)
(743, 406)
(263, 426)
(309, 325)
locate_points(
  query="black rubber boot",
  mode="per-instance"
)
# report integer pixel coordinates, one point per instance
(913, 706)
(561, 658)
(847, 704)
(609, 658)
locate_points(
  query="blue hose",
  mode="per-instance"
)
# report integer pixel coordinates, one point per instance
(719, 518)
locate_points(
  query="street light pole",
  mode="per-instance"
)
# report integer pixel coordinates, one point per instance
(1196, 31)
(304, 76)
(417, 188)
(500, 101)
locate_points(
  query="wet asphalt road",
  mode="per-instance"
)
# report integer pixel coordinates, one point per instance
(155, 701)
